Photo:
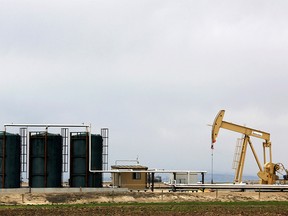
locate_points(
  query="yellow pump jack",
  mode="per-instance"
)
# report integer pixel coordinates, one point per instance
(266, 175)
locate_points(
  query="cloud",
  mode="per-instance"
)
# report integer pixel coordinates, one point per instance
(154, 72)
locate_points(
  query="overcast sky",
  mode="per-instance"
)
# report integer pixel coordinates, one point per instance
(155, 72)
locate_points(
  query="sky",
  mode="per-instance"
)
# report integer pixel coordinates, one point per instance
(155, 73)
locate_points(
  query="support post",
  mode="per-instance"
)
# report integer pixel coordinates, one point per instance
(264, 153)
(239, 171)
(152, 182)
(255, 155)
(202, 175)
(174, 177)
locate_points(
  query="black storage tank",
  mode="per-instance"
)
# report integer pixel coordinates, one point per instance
(10, 165)
(45, 160)
(79, 160)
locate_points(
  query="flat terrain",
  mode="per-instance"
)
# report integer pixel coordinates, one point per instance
(187, 208)
(146, 203)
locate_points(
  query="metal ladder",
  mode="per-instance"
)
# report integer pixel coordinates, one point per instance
(65, 150)
(24, 150)
(237, 152)
(105, 137)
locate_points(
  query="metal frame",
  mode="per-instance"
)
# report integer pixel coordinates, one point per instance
(24, 150)
(267, 175)
(152, 172)
(65, 150)
(105, 136)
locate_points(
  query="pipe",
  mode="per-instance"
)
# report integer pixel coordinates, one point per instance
(149, 171)
(45, 159)
(87, 159)
(46, 125)
(90, 147)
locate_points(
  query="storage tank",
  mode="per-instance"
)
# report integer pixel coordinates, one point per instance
(10, 165)
(45, 160)
(79, 160)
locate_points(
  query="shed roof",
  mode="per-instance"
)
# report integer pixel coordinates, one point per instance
(133, 167)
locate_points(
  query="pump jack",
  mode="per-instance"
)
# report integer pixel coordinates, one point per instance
(266, 175)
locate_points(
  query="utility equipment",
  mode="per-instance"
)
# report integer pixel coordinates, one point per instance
(266, 175)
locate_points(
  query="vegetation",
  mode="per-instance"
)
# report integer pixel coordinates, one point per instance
(167, 208)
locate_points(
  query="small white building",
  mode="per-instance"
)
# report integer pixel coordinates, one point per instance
(183, 178)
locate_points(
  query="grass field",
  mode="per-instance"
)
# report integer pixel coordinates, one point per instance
(159, 209)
